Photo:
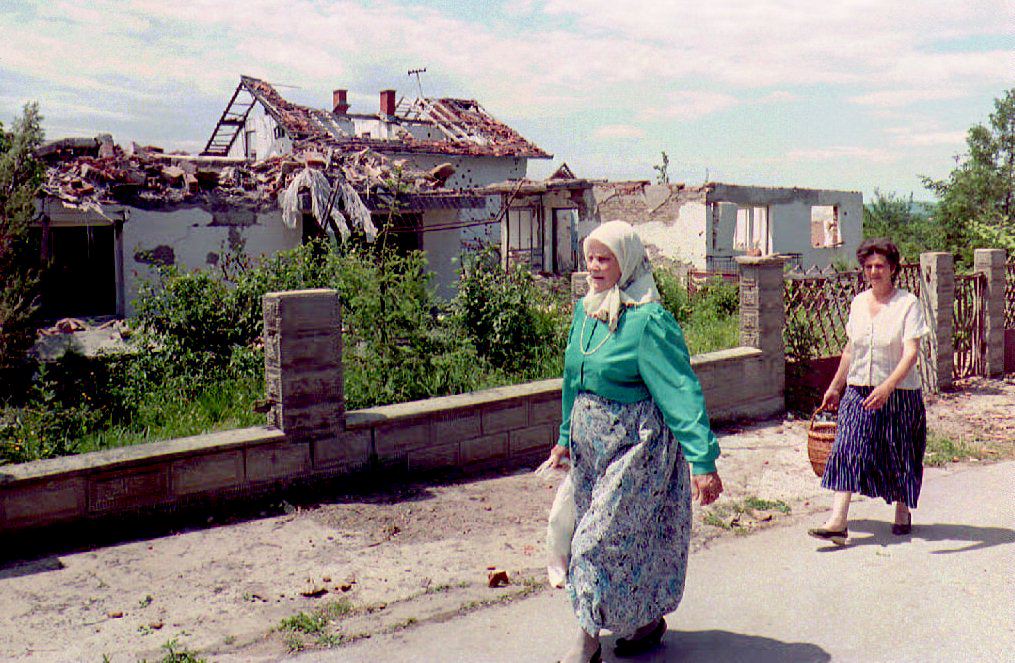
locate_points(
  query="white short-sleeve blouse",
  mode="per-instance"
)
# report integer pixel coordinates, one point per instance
(878, 341)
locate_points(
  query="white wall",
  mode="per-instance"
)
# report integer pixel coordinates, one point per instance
(265, 143)
(194, 235)
(442, 249)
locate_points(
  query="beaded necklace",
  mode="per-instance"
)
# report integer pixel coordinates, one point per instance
(584, 352)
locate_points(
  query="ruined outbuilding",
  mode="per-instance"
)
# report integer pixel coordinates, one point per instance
(707, 226)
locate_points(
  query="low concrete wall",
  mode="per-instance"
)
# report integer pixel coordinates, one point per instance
(311, 438)
(507, 426)
(105, 483)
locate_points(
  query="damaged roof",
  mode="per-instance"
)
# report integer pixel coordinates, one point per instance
(446, 126)
(90, 173)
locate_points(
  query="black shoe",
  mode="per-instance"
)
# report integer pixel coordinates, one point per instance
(635, 646)
(838, 537)
(902, 530)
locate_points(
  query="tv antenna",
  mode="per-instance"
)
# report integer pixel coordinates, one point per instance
(416, 73)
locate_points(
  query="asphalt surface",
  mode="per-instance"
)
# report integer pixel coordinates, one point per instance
(944, 593)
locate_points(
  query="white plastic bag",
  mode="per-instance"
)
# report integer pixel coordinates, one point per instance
(559, 530)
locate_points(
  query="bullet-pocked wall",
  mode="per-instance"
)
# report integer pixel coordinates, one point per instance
(196, 238)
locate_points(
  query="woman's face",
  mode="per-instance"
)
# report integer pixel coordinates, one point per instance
(878, 270)
(603, 266)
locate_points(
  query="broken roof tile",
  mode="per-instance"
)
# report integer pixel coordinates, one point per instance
(466, 129)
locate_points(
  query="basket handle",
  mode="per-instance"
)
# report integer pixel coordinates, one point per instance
(816, 413)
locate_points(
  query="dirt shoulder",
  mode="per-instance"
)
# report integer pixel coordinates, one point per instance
(374, 561)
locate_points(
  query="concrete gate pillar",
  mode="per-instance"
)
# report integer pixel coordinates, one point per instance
(303, 364)
(763, 312)
(937, 294)
(991, 262)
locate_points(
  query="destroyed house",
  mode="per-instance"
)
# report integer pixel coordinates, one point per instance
(706, 227)
(456, 138)
(273, 174)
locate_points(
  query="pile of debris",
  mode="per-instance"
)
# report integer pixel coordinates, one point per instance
(89, 173)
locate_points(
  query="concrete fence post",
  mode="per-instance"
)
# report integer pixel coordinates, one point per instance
(937, 293)
(991, 262)
(303, 364)
(579, 285)
(763, 313)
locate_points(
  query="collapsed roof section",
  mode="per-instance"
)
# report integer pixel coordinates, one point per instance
(445, 126)
(90, 173)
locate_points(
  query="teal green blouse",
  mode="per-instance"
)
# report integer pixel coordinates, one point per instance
(645, 357)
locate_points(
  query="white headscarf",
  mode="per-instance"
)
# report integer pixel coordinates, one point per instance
(636, 284)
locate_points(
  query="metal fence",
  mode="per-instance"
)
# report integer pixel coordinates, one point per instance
(817, 306)
(969, 332)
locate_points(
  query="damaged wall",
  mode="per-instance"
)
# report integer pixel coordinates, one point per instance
(196, 238)
(789, 220)
(696, 224)
(672, 220)
(444, 246)
(261, 137)
(442, 249)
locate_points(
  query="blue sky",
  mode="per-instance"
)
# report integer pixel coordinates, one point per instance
(853, 94)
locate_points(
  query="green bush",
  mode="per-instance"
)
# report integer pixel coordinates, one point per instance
(496, 308)
(195, 362)
(673, 293)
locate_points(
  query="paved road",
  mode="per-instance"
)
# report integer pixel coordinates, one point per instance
(945, 594)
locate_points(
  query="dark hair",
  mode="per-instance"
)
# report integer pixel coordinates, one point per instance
(881, 246)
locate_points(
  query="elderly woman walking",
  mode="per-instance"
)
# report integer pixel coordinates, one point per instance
(633, 417)
(882, 426)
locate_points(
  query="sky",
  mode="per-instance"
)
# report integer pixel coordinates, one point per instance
(851, 94)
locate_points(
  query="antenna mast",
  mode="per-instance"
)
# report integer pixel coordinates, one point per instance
(416, 73)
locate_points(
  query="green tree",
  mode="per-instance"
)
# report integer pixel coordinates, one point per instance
(977, 201)
(904, 222)
(20, 179)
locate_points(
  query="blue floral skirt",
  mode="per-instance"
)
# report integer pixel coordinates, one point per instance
(633, 515)
(879, 453)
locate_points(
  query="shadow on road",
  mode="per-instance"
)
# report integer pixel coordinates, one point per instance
(724, 647)
(18, 569)
(881, 535)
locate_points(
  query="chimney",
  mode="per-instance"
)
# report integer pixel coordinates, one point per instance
(339, 102)
(387, 102)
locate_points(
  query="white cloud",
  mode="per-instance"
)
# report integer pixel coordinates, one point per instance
(911, 137)
(613, 131)
(778, 97)
(841, 152)
(900, 98)
(689, 105)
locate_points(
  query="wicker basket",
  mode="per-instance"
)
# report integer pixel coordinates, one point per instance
(820, 436)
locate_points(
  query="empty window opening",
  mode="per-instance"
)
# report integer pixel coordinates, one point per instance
(825, 231)
(525, 236)
(250, 143)
(752, 234)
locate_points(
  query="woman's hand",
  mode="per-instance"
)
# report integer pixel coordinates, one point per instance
(830, 401)
(877, 398)
(557, 456)
(706, 488)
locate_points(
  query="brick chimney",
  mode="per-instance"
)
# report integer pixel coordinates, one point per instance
(339, 102)
(387, 102)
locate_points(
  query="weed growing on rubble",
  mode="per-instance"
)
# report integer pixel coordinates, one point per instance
(176, 653)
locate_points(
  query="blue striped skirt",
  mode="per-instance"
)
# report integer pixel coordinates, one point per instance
(879, 453)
